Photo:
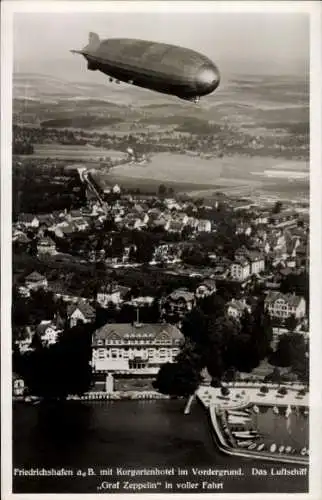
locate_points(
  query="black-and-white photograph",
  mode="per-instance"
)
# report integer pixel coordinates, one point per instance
(160, 294)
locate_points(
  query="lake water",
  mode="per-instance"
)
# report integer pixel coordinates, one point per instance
(130, 434)
(226, 171)
(276, 428)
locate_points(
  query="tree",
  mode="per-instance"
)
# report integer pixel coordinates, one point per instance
(262, 331)
(224, 391)
(291, 323)
(291, 351)
(61, 369)
(191, 354)
(274, 376)
(177, 379)
(162, 190)
(194, 326)
(298, 284)
(213, 305)
(277, 207)
(220, 332)
(243, 353)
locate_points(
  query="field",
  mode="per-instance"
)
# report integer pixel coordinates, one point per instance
(253, 105)
(271, 112)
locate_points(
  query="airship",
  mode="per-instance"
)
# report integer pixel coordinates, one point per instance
(161, 67)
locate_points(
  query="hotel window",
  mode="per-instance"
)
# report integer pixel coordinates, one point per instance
(101, 353)
(114, 353)
(163, 353)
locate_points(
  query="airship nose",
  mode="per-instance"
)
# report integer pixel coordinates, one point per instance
(207, 79)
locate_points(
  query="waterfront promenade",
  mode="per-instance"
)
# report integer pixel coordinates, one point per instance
(242, 394)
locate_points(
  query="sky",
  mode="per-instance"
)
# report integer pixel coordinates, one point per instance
(239, 43)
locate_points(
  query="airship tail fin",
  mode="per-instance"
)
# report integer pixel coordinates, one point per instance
(93, 43)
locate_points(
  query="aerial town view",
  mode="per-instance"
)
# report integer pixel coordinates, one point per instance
(160, 246)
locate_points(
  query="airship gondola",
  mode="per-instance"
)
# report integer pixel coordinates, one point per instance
(164, 68)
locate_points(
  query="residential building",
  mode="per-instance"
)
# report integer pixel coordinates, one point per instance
(48, 332)
(116, 189)
(182, 218)
(111, 293)
(206, 288)
(18, 385)
(243, 228)
(81, 312)
(35, 281)
(179, 302)
(256, 261)
(285, 305)
(175, 227)
(28, 220)
(134, 348)
(283, 220)
(240, 269)
(161, 251)
(261, 218)
(160, 222)
(204, 226)
(81, 224)
(141, 301)
(25, 340)
(46, 246)
(236, 308)
(131, 222)
(20, 237)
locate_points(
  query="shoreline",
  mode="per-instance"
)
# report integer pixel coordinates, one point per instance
(221, 442)
(100, 396)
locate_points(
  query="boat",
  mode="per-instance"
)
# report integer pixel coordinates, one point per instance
(252, 446)
(244, 444)
(281, 449)
(237, 413)
(273, 448)
(288, 449)
(288, 411)
(275, 410)
(245, 434)
(255, 409)
(261, 447)
(236, 420)
(303, 451)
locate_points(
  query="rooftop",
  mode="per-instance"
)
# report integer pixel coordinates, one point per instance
(151, 331)
(87, 310)
(34, 277)
(292, 299)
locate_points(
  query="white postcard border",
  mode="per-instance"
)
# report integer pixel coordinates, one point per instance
(313, 9)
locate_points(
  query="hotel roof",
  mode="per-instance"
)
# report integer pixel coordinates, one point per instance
(144, 331)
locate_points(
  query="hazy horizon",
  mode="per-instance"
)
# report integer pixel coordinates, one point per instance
(244, 43)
